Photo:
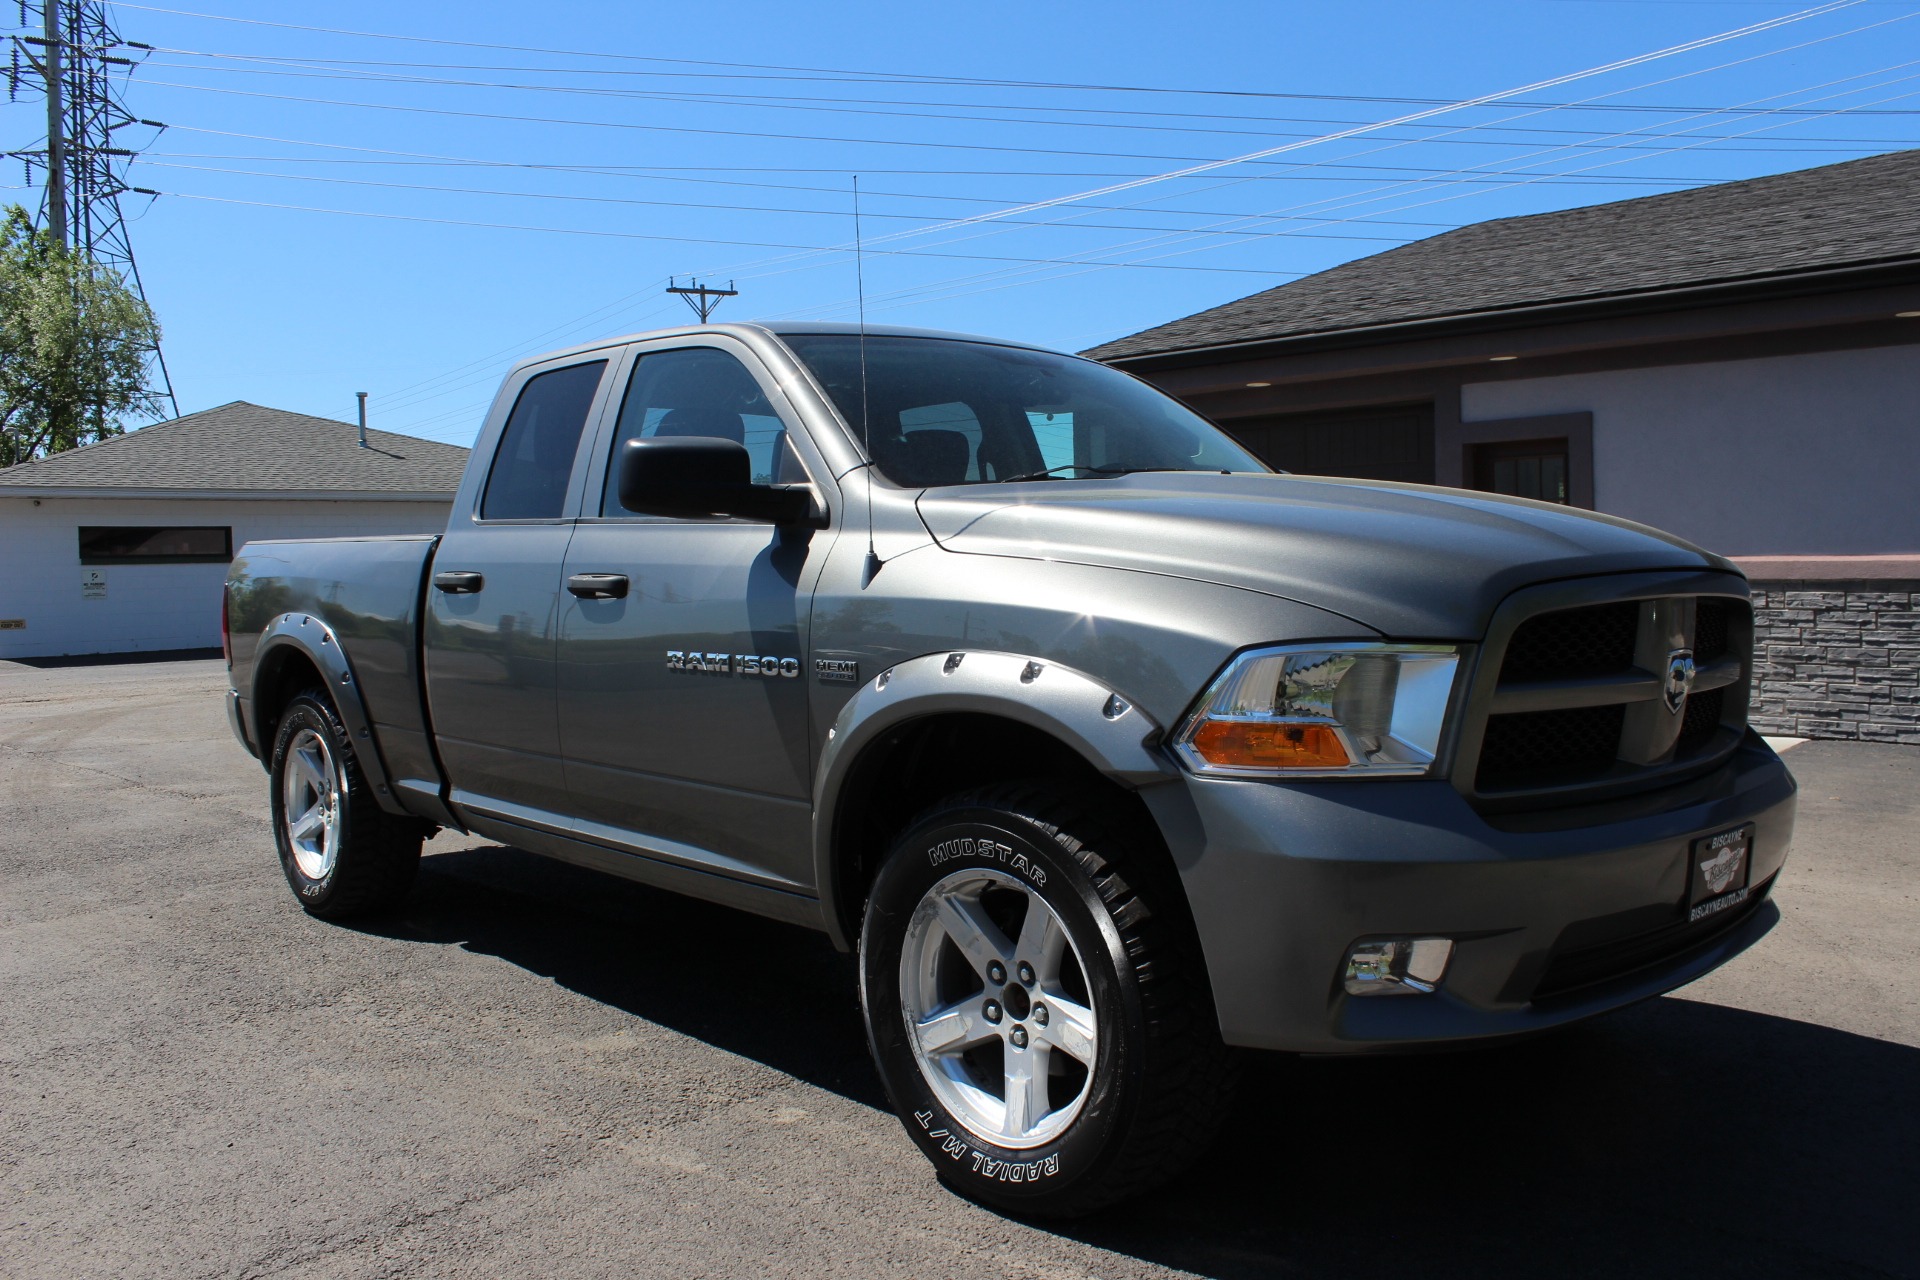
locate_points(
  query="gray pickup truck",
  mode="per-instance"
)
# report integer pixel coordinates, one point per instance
(1109, 749)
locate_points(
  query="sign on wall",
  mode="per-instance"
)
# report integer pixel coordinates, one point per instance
(93, 584)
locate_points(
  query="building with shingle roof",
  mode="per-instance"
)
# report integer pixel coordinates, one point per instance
(1812, 229)
(241, 448)
(122, 546)
(1738, 364)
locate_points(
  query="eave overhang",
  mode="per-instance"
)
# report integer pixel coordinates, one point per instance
(1852, 277)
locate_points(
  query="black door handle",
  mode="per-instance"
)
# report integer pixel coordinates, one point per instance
(598, 586)
(458, 582)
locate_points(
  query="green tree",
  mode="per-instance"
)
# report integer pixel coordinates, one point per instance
(74, 342)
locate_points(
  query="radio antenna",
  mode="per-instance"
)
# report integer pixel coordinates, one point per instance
(866, 428)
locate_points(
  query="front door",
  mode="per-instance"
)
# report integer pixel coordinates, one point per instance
(493, 606)
(683, 687)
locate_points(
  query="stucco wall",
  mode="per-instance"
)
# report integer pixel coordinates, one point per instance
(1787, 455)
(157, 606)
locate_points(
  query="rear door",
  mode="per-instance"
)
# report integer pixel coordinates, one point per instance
(701, 758)
(493, 610)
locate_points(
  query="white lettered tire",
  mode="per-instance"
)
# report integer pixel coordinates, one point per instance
(1036, 1003)
(343, 854)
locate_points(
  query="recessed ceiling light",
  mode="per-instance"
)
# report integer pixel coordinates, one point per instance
(1906, 315)
(1259, 384)
(1503, 357)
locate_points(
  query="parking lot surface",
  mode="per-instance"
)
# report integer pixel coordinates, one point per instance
(539, 1071)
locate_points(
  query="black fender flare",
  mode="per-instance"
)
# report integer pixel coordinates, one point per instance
(316, 641)
(1104, 727)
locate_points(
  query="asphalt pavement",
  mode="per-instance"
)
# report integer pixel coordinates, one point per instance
(536, 1071)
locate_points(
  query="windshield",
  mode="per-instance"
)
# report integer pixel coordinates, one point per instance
(943, 412)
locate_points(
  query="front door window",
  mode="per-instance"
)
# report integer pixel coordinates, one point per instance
(701, 391)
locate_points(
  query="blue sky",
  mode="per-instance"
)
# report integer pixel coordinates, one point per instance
(346, 211)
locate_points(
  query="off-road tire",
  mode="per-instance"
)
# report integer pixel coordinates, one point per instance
(1163, 1082)
(377, 854)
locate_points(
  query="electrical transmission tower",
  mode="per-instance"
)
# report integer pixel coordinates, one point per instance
(72, 63)
(702, 299)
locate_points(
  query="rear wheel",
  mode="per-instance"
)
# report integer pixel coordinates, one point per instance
(1036, 1004)
(342, 853)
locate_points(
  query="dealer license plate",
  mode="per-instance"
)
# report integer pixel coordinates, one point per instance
(1717, 872)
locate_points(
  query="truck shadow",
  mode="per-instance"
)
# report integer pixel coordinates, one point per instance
(1674, 1138)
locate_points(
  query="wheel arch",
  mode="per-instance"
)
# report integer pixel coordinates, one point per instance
(298, 651)
(947, 722)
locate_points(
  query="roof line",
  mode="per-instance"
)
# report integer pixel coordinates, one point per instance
(1693, 293)
(95, 444)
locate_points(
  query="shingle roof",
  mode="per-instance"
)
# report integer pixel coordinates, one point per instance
(246, 447)
(1860, 211)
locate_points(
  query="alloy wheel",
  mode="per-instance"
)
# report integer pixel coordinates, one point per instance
(311, 808)
(997, 1008)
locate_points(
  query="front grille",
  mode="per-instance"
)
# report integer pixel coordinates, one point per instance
(1700, 719)
(1574, 705)
(1549, 748)
(1594, 641)
(1710, 628)
(1571, 968)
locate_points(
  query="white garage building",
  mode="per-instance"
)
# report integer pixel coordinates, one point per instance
(123, 546)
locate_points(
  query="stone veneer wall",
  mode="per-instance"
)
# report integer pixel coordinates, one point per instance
(1837, 658)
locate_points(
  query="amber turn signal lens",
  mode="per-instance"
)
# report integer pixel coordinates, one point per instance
(1247, 744)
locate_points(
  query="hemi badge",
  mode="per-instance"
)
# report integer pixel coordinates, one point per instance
(837, 670)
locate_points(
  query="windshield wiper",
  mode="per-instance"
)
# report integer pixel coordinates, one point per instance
(1075, 466)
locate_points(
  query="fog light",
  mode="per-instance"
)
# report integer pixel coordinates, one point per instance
(1397, 966)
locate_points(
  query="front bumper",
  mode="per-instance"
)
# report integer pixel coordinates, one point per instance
(1557, 916)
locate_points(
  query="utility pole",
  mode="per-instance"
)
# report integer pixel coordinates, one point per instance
(73, 61)
(702, 299)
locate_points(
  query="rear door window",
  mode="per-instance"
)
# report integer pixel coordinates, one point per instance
(531, 467)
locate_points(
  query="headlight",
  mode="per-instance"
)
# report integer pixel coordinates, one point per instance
(1348, 709)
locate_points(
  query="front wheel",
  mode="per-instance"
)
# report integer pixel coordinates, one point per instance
(1036, 1004)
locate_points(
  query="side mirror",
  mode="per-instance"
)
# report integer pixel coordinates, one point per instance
(702, 476)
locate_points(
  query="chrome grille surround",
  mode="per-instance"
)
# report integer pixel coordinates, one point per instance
(1630, 708)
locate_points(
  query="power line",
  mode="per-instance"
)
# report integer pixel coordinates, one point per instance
(728, 208)
(636, 235)
(313, 63)
(1288, 147)
(924, 291)
(880, 77)
(150, 157)
(665, 172)
(1201, 163)
(1194, 167)
(879, 107)
(1138, 245)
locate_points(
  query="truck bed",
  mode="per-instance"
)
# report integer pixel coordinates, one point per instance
(369, 593)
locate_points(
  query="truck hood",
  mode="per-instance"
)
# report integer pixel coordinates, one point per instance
(1408, 561)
